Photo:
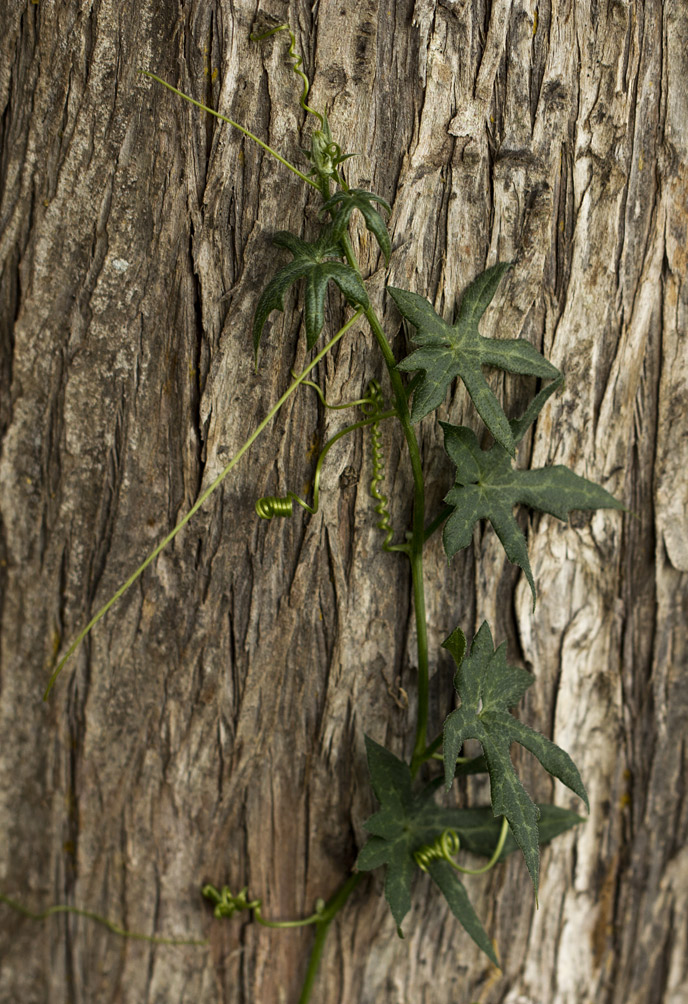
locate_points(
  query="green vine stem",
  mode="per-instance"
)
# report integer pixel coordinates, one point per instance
(417, 541)
(199, 502)
(90, 915)
(226, 905)
(332, 908)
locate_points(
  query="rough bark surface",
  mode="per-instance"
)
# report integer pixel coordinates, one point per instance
(211, 728)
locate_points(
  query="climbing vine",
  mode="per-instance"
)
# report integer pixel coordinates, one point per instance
(411, 833)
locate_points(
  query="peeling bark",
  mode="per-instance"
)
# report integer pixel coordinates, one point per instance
(211, 728)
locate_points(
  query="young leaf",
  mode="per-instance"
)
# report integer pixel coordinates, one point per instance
(343, 204)
(316, 263)
(456, 644)
(448, 351)
(488, 687)
(487, 487)
(404, 824)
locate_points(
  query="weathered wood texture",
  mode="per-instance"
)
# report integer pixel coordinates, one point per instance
(211, 729)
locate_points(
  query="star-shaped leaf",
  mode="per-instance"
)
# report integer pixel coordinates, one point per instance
(488, 487)
(488, 687)
(405, 823)
(455, 350)
(316, 263)
(343, 204)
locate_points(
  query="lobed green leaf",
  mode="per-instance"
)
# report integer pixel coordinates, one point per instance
(488, 487)
(488, 687)
(405, 823)
(448, 351)
(317, 263)
(343, 204)
(454, 891)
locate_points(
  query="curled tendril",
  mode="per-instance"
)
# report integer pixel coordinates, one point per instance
(296, 66)
(273, 505)
(374, 407)
(225, 904)
(334, 407)
(443, 848)
(447, 845)
(325, 154)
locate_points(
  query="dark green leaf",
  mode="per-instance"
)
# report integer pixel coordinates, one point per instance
(343, 204)
(455, 894)
(488, 687)
(459, 350)
(488, 487)
(390, 777)
(410, 825)
(317, 263)
(404, 824)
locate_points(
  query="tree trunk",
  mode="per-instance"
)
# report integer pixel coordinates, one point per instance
(211, 727)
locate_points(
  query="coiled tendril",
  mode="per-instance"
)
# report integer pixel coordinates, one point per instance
(296, 67)
(226, 904)
(275, 505)
(374, 407)
(372, 404)
(441, 849)
(444, 847)
(325, 154)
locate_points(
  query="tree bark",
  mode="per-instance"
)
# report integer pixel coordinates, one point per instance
(211, 727)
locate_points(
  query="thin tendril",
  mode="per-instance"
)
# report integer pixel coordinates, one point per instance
(90, 915)
(246, 132)
(296, 67)
(333, 407)
(199, 502)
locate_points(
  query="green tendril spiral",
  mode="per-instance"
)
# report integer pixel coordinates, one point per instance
(273, 505)
(226, 905)
(325, 154)
(447, 845)
(292, 53)
(385, 522)
(443, 848)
